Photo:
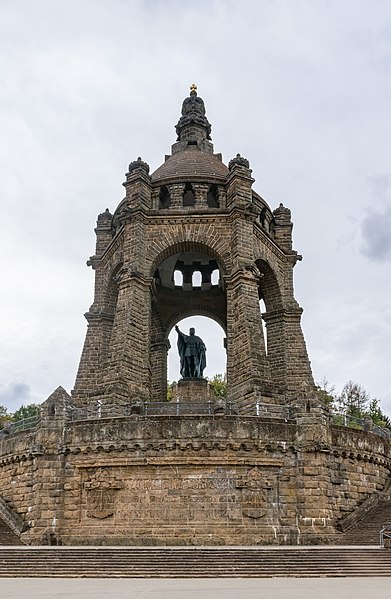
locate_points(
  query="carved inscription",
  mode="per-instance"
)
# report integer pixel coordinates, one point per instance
(191, 498)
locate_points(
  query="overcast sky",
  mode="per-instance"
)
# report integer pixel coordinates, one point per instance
(302, 88)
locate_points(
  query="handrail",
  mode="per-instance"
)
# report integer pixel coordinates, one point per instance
(363, 424)
(210, 407)
(11, 518)
(20, 425)
(385, 533)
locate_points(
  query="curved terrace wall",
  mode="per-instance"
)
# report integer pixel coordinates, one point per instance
(211, 479)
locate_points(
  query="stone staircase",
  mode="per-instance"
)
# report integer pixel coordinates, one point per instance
(366, 531)
(8, 536)
(194, 562)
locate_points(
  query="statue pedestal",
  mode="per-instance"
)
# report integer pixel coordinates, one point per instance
(188, 390)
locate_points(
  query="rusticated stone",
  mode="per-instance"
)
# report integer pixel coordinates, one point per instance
(113, 463)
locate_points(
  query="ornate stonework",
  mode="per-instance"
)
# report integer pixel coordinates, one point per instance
(114, 463)
(101, 490)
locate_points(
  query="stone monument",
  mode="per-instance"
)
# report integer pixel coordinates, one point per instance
(114, 462)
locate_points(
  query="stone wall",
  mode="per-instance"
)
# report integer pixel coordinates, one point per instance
(188, 480)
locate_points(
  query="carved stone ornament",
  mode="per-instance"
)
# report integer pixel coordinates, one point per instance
(254, 493)
(238, 160)
(139, 163)
(193, 113)
(101, 490)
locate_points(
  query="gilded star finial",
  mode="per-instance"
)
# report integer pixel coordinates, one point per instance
(193, 88)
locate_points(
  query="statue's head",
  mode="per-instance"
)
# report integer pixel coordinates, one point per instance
(191, 331)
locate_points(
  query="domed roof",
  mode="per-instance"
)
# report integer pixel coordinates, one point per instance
(191, 164)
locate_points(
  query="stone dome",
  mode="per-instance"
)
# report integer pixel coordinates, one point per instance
(191, 164)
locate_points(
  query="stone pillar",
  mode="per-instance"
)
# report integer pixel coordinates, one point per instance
(247, 365)
(128, 371)
(90, 371)
(46, 515)
(99, 320)
(313, 483)
(159, 350)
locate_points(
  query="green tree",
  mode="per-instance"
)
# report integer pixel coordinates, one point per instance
(353, 400)
(219, 385)
(375, 413)
(169, 390)
(326, 392)
(4, 416)
(28, 411)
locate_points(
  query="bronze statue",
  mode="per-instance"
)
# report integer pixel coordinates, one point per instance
(192, 354)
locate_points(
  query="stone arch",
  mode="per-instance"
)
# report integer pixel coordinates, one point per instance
(111, 291)
(269, 286)
(270, 292)
(187, 312)
(171, 303)
(180, 246)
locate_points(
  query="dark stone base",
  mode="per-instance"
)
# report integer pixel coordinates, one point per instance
(194, 389)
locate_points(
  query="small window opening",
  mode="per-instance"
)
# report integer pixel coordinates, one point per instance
(178, 278)
(262, 308)
(262, 218)
(164, 198)
(213, 197)
(188, 195)
(215, 279)
(196, 279)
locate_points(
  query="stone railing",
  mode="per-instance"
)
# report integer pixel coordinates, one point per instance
(359, 513)
(20, 425)
(11, 518)
(179, 408)
(363, 424)
(158, 408)
(385, 535)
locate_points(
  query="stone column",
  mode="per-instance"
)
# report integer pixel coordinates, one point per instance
(46, 515)
(159, 351)
(313, 482)
(128, 371)
(247, 364)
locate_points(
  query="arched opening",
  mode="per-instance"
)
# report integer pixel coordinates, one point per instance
(196, 278)
(188, 270)
(188, 195)
(182, 288)
(269, 289)
(213, 336)
(110, 310)
(273, 321)
(215, 278)
(178, 278)
(262, 308)
(213, 197)
(164, 198)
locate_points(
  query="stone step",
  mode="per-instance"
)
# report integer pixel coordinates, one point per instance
(168, 562)
(367, 530)
(7, 536)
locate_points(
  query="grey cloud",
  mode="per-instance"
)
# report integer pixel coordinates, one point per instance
(376, 235)
(14, 394)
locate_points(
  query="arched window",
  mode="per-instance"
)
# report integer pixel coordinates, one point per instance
(188, 195)
(178, 278)
(164, 198)
(196, 279)
(262, 308)
(215, 279)
(262, 218)
(213, 197)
